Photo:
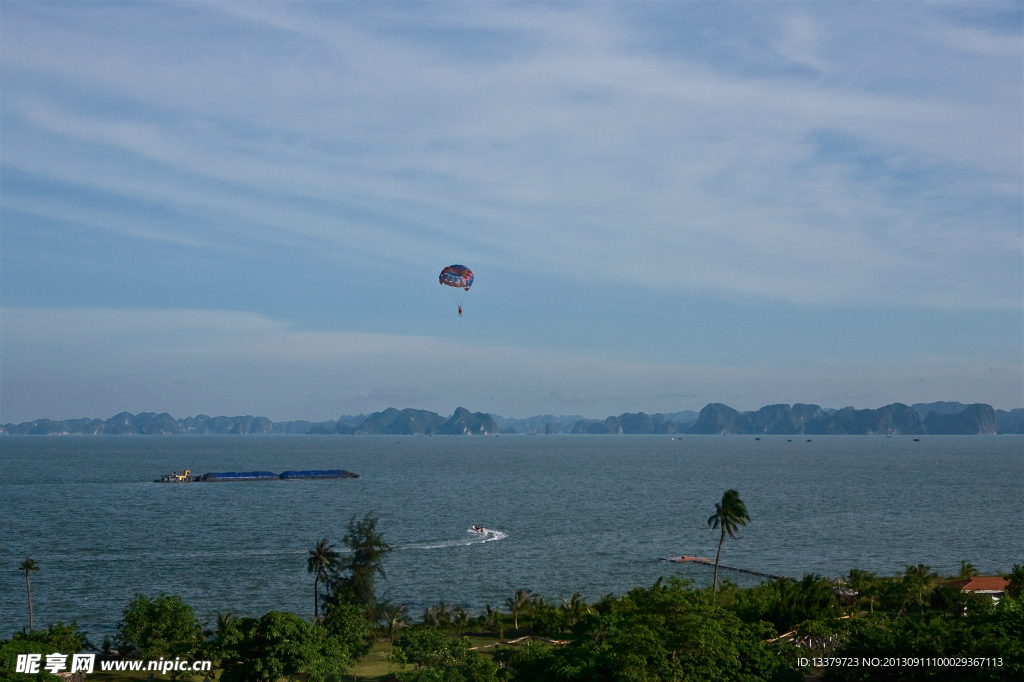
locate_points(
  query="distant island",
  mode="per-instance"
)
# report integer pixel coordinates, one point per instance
(897, 419)
(941, 418)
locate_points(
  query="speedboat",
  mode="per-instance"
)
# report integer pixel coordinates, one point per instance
(479, 529)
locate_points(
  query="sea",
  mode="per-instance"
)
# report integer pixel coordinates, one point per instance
(593, 514)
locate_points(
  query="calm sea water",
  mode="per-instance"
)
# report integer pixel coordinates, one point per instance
(589, 513)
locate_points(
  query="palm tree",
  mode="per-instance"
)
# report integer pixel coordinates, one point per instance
(517, 603)
(437, 614)
(460, 620)
(225, 623)
(223, 636)
(916, 579)
(575, 607)
(322, 559)
(968, 570)
(1015, 581)
(729, 516)
(29, 567)
(393, 616)
(493, 621)
(864, 583)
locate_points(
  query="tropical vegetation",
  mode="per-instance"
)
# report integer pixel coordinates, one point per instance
(159, 627)
(353, 580)
(670, 631)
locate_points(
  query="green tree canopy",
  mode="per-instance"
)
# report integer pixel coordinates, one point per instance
(60, 637)
(348, 624)
(354, 579)
(995, 633)
(63, 637)
(282, 645)
(436, 657)
(9, 651)
(797, 601)
(666, 632)
(221, 642)
(162, 626)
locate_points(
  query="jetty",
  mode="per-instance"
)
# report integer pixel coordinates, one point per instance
(686, 559)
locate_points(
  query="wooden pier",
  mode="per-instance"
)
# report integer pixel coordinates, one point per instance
(686, 559)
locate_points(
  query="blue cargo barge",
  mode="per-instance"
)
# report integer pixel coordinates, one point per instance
(317, 473)
(239, 476)
(217, 477)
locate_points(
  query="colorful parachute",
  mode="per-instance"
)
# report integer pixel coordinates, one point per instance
(458, 276)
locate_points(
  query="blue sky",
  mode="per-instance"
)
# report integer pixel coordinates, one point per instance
(243, 208)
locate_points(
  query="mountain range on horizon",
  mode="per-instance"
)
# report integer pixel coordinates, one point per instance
(938, 418)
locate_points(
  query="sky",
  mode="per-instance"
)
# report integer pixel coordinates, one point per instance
(227, 209)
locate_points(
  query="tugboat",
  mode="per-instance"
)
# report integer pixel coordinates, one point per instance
(183, 477)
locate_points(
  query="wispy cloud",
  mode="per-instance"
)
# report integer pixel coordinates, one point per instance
(344, 128)
(799, 42)
(687, 172)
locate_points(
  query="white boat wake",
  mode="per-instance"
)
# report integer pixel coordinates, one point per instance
(478, 538)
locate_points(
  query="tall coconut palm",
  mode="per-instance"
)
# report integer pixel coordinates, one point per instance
(729, 515)
(29, 567)
(322, 559)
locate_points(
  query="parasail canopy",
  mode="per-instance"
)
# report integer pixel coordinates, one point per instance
(458, 276)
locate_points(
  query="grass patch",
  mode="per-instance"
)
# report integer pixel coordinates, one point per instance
(374, 665)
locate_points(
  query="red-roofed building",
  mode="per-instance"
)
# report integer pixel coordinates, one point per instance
(991, 585)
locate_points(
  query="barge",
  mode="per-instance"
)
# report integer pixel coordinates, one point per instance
(217, 477)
